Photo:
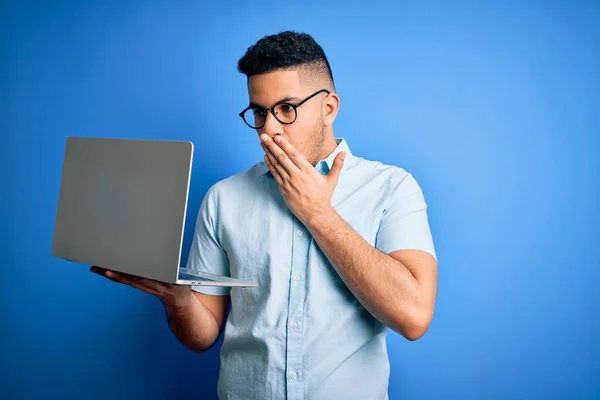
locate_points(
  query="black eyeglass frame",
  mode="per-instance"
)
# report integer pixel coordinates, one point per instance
(272, 109)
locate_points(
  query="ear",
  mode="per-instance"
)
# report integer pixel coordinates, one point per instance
(331, 106)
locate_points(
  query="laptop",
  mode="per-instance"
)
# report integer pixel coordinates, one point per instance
(122, 206)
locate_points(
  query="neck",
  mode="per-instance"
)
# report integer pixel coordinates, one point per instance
(329, 144)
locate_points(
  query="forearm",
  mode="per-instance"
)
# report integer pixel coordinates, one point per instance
(192, 323)
(383, 285)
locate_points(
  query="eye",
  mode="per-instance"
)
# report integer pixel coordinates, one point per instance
(285, 108)
(259, 112)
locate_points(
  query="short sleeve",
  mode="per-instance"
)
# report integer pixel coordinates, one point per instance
(206, 253)
(405, 224)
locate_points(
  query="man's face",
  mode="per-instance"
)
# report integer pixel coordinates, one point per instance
(307, 133)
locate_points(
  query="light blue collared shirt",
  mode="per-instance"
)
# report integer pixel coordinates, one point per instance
(301, 334)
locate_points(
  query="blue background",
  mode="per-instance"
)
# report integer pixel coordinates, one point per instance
(494, 108)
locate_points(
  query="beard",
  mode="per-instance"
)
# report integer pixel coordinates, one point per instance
(314, 147)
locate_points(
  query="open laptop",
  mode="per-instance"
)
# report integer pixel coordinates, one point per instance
(122, 206)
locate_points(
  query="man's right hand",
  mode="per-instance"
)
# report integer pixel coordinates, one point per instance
(173, 296)
(195, 318)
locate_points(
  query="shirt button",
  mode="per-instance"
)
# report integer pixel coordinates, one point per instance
(293, 375)
(299, 232)
(297, 278)
(295, 325)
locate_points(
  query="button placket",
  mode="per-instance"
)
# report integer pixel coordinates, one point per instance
(297, 296)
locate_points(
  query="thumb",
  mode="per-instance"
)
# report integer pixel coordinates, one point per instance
(336, 168)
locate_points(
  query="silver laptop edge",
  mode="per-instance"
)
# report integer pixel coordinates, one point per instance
(114, 193)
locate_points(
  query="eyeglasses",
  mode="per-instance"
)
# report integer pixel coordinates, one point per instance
(286, 113)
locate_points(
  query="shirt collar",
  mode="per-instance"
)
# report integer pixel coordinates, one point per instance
(323, 166)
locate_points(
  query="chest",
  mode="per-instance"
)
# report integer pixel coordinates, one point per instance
(265, 241)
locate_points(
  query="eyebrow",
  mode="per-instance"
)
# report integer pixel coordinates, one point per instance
(285, 99)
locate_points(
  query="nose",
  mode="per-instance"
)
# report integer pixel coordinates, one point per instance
(272, 126)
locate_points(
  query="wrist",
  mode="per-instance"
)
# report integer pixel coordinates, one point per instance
(320, 218)
(179, 303)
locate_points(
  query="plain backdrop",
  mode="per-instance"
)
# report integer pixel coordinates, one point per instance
(493, 107)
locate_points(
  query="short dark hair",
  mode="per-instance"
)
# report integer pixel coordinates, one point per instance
(285, 50)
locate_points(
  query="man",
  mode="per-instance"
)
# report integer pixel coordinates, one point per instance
(340, 247)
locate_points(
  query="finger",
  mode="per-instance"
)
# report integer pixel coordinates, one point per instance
(112, 275)
(152, 285)
(279, 154)
(97, 270)
(334, 173)
(146, 285)
(136, 282)
(274, 172)
(276, 165)
(109, 273)
(295, 156)
(119, 276)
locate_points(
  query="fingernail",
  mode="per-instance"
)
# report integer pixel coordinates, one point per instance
(264, 137)
(277, 139)
(343, 156)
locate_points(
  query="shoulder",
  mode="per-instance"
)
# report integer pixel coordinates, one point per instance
(390, 176)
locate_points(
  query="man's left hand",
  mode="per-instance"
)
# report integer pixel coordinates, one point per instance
(306, 192)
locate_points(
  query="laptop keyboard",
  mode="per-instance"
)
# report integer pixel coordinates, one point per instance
(188, 277)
